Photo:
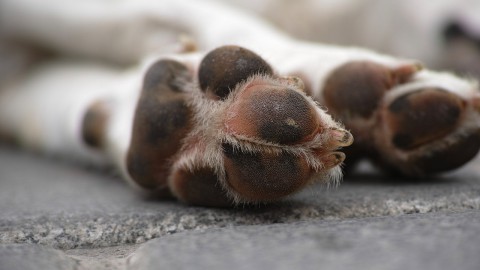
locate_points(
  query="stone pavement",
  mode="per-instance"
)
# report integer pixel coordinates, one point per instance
(54, 215)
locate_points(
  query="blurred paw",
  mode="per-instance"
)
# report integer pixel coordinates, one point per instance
(428, 129)
(415, 122)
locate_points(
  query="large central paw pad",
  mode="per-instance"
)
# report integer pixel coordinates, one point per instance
(273, 113)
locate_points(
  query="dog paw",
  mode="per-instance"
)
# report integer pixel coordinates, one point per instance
(429, 128)
(241, 134)
(408, 120)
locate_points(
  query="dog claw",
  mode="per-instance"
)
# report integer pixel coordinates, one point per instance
(333, 159)
(342, 137)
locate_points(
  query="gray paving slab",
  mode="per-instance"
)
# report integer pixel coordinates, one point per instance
(447, 240)
(34, 257)
(418, 241)
(53, 203)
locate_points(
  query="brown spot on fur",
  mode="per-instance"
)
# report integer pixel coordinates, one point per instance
(356, 88)
(264, 176)
(423, 116)
(94, 124)
(279, 115)
(162, 119)
(223, 68)
(200, 187)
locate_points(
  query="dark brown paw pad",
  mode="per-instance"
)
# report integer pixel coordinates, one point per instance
(199, 187)
(423, 116)
(274, 114)
(452, 156)
(223, 68)
(162, 120)
(430, 131)
(356, 88)
(264, 176)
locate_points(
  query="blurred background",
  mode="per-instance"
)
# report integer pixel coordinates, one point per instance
(443, 34)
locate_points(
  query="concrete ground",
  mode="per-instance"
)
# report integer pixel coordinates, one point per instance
(54, 215)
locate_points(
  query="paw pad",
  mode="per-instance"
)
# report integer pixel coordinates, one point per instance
(273, 114)
(356, 88)
(223, 68)
(162, 120)
(451, 157)
(199, 186)
(423, 116)
(264, 176)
